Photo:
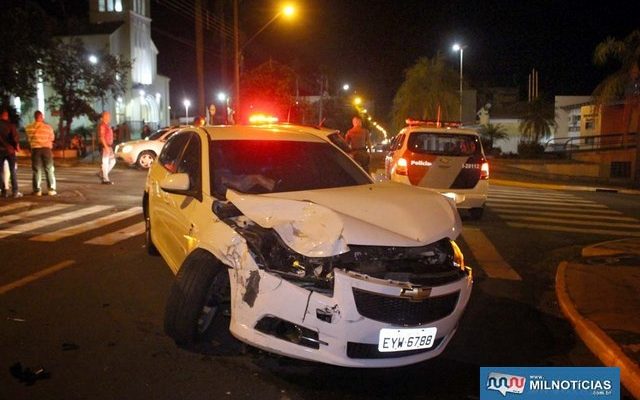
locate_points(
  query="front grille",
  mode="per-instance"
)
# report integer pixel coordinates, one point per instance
(366, 350)
(402, 311)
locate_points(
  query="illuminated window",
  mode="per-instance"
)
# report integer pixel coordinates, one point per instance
(109, 5)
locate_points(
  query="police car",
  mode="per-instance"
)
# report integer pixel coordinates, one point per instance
(441, 156)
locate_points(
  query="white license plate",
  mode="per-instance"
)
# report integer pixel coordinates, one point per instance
(406, 339)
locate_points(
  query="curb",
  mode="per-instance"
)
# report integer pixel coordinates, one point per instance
(595, 338)
(534, 185)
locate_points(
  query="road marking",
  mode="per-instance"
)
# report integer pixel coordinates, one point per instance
(31, 213)
(575, 230)
(571, 222)
(590, 216)
(51, 220)
(550, 203)
(35, 276)
(520, 193)
(87, 226)
(118, 236)
(13, 206)
(487, 255)
(566, 200)
(547, 208)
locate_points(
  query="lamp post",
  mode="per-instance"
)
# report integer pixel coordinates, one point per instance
(288, 10)
(186, 103)
(460, 48)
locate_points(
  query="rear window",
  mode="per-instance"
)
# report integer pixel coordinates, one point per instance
(261, 166)
(444, 144)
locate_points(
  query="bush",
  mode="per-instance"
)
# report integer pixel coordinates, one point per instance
(530, 150)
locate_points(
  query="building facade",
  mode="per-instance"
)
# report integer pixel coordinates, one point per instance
(123, 29)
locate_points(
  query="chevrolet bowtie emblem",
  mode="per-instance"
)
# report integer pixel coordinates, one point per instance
(416, 293)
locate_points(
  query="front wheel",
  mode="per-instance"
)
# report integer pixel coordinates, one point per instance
(145, 159)
(199, 300)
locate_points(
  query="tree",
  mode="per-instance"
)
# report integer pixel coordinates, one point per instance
(268, 89)
(22, 49)
(490, 134)
(538, 122)
(430, 90)
(626, 53)
(78, 83)
(623, 84)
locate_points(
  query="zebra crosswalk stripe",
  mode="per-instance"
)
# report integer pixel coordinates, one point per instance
(13, 206)
(590, 216)
(30, 226)
(545, 202)
(34, 212)
(118, 236)
(558, 228)
(87, 226)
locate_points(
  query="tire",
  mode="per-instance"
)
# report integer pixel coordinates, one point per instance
(145, 159)
(152, 250)
(476, 213)
(199, 300)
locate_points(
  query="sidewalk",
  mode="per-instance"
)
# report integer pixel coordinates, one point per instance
(598, 293)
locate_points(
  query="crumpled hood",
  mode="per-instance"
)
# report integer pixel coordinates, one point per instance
(321, 223)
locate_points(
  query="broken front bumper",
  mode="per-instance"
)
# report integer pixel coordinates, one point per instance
(343, 328)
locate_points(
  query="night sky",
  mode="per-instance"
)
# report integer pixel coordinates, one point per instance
(371, 43)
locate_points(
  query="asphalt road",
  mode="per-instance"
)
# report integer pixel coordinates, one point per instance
(87, 305)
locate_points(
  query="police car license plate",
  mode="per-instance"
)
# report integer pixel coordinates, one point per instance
(406, 339)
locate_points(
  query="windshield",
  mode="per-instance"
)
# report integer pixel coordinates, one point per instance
(444, 144)
(157, 135)
(265, 166)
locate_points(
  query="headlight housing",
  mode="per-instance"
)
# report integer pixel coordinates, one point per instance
(127, 148)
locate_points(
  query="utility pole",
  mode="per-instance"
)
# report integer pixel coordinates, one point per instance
(199, 56)
(320, 102)
(236, 62)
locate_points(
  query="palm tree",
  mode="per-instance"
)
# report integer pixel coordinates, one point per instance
(623, 84)
(625, 52)
(490, 134)
(538, 122)
(428, 91)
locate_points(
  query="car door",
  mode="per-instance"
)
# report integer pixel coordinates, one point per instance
(170, 217)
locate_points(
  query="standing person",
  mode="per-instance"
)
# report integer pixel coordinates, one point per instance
(212, 114)
(105, 135)
(41, 137)
(359, 139)
(146, 131)
(9, 145)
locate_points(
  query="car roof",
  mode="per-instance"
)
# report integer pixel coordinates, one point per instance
(265, 132)
(448, 131)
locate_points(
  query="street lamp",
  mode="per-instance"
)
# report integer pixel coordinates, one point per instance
(287, 10)
(460, 48)
(186, 103)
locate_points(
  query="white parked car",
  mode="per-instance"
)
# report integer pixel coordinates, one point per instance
(143, 152)
(444, 157)
(278, 235)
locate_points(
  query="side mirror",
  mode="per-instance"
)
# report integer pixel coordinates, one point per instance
(176, 183)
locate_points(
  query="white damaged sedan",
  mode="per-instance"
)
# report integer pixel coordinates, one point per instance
(278, 235)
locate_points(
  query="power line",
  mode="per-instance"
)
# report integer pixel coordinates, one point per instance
(185, 41)
(208, 18)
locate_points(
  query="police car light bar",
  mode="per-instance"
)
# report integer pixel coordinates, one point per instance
(429, 122)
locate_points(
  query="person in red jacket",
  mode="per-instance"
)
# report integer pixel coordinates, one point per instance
(105, 135)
